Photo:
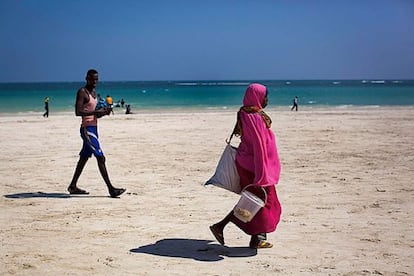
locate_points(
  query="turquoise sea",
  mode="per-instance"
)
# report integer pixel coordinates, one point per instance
(147, 95)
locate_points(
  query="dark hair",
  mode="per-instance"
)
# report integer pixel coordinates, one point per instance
(91, 72)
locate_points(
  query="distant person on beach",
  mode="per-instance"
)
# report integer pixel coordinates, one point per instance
(86, 108)
(110, 103)
(46, 114)
(257, 163)
(295, 103)
(122, 102)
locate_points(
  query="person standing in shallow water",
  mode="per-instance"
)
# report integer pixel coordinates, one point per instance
(85, 107)
(257, 162)
(110, 103)
(46, 114)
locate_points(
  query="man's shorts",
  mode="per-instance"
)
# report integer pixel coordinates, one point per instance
(91, 144)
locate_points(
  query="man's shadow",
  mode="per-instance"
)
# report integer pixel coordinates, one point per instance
(199, 250)
(46, 195)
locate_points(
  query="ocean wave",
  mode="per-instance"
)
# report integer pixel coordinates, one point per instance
(217, 107)
(344, 106)
(212, 83)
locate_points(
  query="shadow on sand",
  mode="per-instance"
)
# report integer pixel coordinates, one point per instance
(47, 195)
(199, 250)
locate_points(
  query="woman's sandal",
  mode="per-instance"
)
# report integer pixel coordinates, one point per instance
(217, 234)
(264, 244)
(256, 244)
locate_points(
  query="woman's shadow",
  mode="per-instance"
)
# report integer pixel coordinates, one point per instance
(200, 250)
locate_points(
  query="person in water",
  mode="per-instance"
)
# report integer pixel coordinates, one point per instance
(110, 103)
(128, 109)
(257, 163)
(101, 102)
(85, 107)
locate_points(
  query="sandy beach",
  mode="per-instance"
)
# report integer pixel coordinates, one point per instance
(346, 189)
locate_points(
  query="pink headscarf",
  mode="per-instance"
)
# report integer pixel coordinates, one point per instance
(254, 95)
(257, 151)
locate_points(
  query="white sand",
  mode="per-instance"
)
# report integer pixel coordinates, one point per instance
(346, 190)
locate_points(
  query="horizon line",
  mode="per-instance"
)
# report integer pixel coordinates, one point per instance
(219, 80)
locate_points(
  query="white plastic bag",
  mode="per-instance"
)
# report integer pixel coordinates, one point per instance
(226, 175)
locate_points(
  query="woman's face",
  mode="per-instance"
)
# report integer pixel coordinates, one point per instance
(265, 101)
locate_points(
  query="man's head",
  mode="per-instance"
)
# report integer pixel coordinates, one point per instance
(92, 78)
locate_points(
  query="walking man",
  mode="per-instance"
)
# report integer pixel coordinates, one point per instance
(46, 114)
(295, 103)
(85, 107)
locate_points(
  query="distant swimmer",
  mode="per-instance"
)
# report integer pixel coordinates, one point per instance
(295, 103)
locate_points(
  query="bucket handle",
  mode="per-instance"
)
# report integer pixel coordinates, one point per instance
(264, 191)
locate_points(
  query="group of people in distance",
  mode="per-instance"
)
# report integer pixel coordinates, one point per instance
(109, 103)
(257, 157)
(101, 103)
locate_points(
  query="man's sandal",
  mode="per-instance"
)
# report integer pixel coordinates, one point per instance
(77, 191)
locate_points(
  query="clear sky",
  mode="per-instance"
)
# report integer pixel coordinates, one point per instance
(54, 40)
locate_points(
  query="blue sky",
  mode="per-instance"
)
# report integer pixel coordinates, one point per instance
(51, 40)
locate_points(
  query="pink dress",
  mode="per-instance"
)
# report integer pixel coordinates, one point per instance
(258, 163)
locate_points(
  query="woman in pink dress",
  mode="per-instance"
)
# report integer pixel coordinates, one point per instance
(257, 163)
